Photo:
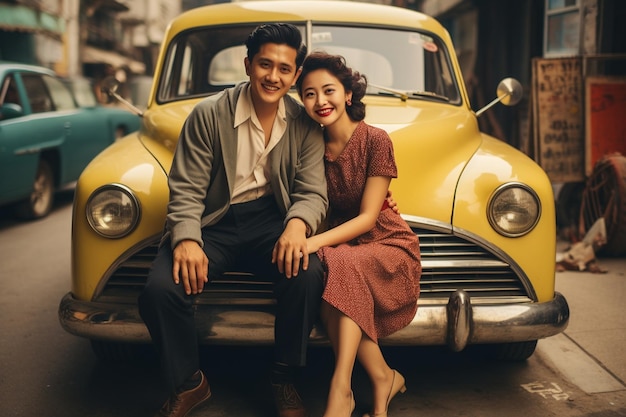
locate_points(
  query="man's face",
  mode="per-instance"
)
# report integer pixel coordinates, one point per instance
(272, 72)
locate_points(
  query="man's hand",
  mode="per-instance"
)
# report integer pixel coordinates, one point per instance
(291, 248)
(191, 266)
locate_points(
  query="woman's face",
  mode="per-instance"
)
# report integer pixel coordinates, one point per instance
(324, 97)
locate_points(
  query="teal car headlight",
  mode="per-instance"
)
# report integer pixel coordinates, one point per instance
(514, 210)
(113, 211)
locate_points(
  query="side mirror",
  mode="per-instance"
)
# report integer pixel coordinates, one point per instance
(509, 93)
(109, 87)
(10, 111)
(510, 90)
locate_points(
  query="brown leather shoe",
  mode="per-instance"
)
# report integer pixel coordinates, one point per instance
(288, 402)
(179, 404)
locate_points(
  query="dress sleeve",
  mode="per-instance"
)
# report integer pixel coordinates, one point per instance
(380, 151)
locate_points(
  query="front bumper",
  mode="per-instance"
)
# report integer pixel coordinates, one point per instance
(455, 324)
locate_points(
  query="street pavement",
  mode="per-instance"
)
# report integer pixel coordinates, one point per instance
(591, 351)
(47, 372)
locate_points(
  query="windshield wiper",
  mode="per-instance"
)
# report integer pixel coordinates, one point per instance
(429, 94)
(404, 95)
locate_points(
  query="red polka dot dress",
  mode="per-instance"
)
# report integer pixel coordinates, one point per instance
(373, 279)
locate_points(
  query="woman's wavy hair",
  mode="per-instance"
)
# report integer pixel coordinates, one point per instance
(350, 79)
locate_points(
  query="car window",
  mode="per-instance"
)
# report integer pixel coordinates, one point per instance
(402, 60)
(227, 66)
(198, 62)
(61, 96)
(203, 61)
(9, 93)
(37, 93)
(83, 91)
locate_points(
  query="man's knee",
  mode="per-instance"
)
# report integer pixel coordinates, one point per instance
(313, 277)
(159, 290)
(306, 283)
(152, 290)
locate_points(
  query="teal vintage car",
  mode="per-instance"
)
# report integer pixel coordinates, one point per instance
(47, 137)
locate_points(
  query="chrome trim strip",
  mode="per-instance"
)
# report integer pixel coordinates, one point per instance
(309, 35)
(416, 221)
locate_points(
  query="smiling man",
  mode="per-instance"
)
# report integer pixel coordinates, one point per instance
(247, 187)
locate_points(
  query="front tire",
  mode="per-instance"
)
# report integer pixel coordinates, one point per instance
(515, 352)
(39, 203)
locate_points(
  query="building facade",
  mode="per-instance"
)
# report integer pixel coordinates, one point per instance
(89, 38)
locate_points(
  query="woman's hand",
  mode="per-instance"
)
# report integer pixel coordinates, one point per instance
(392, 203)
(312, 245)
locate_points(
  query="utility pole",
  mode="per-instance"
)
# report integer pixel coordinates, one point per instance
(71, 38)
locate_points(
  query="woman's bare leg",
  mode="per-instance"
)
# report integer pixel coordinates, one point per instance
(326, 313)
(381, 375)
(345, 336)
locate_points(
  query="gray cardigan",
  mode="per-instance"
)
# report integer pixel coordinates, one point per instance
(201, 179)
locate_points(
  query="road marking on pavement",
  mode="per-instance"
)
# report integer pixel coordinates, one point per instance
(577, 366)
(553, 391)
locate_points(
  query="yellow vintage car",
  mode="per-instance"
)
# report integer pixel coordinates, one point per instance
(483, 211)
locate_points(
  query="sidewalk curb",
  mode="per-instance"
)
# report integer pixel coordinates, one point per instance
(577, 366)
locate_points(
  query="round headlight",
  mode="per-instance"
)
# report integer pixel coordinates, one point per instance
(514, 210)
(113, 211)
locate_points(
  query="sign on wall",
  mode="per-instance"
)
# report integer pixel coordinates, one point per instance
(558, 116)
(605, 118)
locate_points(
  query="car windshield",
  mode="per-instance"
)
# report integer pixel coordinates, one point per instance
(403, 63)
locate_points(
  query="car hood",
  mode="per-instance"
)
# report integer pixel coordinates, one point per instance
(432, 145)
(161, 128)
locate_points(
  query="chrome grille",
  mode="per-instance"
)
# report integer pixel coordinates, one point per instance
(449, 263)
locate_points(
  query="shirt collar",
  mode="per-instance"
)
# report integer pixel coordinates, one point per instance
(244, 108)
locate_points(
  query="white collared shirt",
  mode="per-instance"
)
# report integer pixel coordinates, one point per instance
(253, 167)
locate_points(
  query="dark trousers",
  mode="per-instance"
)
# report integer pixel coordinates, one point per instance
(244, 238)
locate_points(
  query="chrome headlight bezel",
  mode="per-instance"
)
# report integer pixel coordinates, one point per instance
(113, 211)
(523, 219)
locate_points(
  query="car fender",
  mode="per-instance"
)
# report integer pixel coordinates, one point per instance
(129, 163)
(496, 163)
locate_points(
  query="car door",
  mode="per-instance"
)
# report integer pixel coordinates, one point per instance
(24, 138)
(9, 166)
(83, 130)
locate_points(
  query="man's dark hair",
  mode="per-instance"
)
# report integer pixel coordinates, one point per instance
(279, 33)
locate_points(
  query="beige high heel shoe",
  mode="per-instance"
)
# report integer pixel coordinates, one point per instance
(396, 387)
(352, 403)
